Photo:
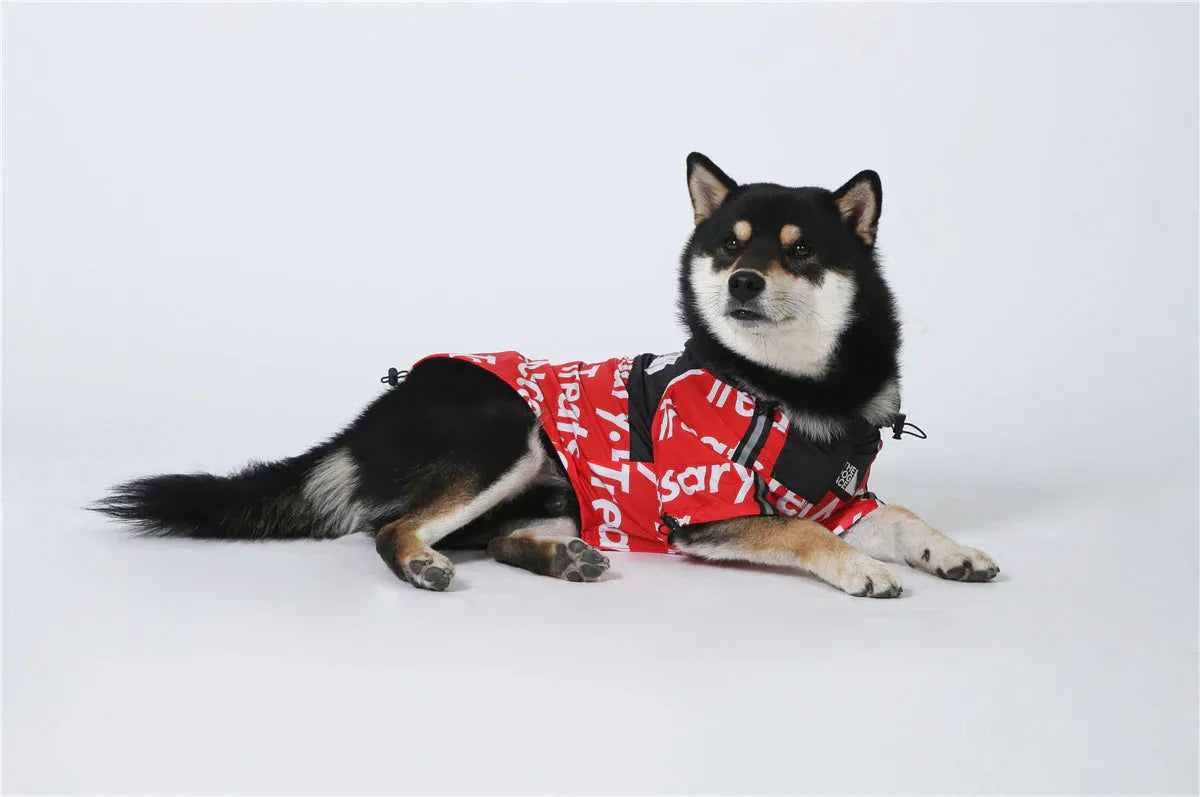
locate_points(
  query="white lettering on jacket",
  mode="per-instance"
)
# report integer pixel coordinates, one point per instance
(703, 478)
(610, 529)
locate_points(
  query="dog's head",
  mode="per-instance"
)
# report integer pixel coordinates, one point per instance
(777, 275)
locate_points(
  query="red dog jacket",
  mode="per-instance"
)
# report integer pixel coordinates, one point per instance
(653, 441)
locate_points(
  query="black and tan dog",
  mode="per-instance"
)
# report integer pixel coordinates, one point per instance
(782, 295)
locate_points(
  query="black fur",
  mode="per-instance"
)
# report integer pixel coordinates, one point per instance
(259, 502)
(868, 355)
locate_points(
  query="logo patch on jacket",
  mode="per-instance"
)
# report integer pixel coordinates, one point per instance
(848, 480)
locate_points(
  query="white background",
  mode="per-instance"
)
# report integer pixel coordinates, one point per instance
(222, 224)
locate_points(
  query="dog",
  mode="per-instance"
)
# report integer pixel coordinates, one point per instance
(753, 443)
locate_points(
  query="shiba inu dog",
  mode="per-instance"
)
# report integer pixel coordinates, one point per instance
(753, 443)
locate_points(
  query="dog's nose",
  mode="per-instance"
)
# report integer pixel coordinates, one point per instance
(745, 285)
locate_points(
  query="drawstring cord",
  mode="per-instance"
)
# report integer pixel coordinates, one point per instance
(393, 377)
(900, 427)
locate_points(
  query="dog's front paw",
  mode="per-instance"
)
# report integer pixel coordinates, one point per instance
(956, 562)
(578, 561)
(865, 578)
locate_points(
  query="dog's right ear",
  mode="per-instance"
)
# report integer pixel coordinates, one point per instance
(707, 184)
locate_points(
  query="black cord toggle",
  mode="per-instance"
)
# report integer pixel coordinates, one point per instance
(900, 427)
(393, 377)
(673, 525)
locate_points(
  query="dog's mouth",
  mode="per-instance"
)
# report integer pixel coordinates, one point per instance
(743, 314)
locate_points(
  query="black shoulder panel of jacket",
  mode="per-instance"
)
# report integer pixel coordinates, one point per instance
(811, 468)
(648, 381)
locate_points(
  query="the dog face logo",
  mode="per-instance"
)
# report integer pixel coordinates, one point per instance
(772, 271)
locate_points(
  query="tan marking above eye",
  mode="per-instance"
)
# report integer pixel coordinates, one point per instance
(789, 234)
(742, 230)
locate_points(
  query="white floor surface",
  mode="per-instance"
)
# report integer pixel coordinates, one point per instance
(141, 666)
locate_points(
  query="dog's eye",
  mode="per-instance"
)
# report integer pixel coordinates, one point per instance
(800, 249)
(732, 244)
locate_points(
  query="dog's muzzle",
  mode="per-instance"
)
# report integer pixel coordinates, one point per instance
(744, 289)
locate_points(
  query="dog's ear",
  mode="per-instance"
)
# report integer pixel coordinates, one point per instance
(707, 184)
(860, 201)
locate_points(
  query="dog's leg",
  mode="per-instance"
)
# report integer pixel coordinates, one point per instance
(894, 534)
(406, 544)
(400, 545)
(547, 508)
(792, 542)
(550, 547)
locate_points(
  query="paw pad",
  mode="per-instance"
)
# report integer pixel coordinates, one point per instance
(425, 573)
(578, 561)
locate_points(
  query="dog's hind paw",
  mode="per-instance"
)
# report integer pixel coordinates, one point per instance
(577, 561)
(431, 570)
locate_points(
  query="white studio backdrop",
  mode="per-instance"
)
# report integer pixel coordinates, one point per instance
(222, 224)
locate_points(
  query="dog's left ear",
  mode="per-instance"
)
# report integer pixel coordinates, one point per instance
(707, 184)
(860, 201)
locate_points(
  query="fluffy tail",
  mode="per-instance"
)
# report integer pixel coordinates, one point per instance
(291, 499)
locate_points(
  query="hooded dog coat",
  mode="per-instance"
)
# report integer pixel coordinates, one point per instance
(652, 442)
